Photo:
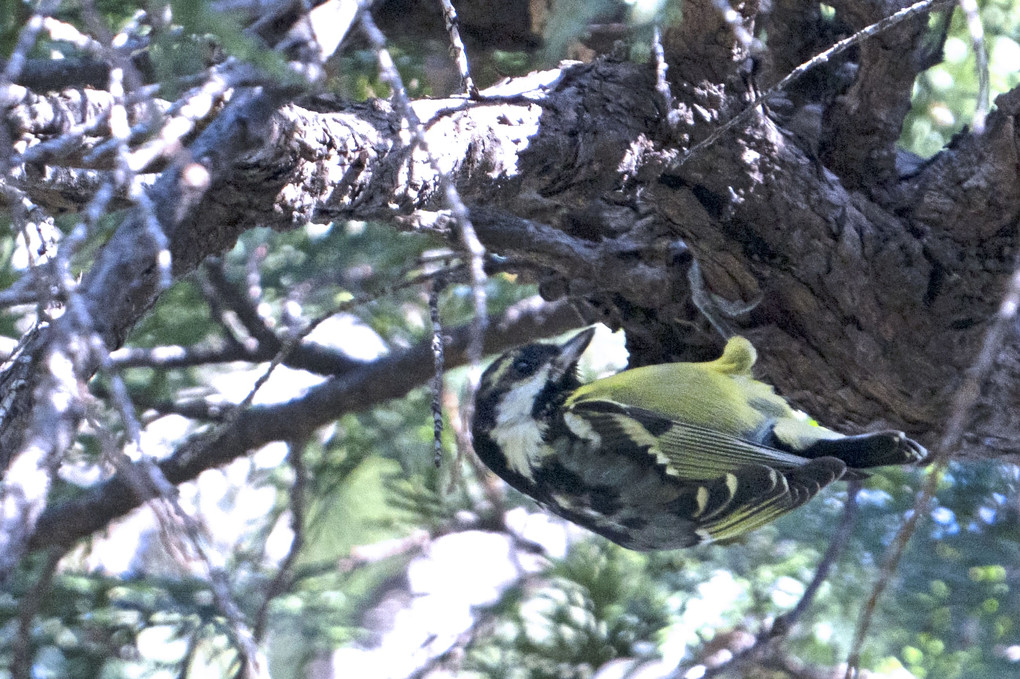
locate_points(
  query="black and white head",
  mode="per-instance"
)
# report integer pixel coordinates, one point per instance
(517, 395)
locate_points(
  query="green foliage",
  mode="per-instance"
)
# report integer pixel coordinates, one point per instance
(945, 96)
(181, 318)
(355, 74)
(12, 17)
(203, 36)
(950, 612)
(90, 625)
(115, 12)
(590, 607)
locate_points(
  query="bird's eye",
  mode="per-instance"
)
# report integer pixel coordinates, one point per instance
(523, 366)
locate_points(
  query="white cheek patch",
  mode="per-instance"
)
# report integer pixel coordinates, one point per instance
(520, 443)
(516, 432)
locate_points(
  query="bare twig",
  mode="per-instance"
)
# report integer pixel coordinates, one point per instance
(469, 238)
(836, 546)
(179, 120)
(283, 576)
(66, 32)
(457, 49)
(176, 356)
(437, 378)
(977, 41)
(364, 555)
(293, 341)
(786, 622)
(186, 532)
(76, 343)
(247, 429)
(26, 40)
(150, 484)
(72, 344)
(221, 295)
(661, 82)
(25, 487)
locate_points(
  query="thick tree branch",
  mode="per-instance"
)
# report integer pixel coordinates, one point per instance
(386, 378)
(845, 283)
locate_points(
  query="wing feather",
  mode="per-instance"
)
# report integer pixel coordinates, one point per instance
(762, 495)
(688, 450)
(737, 485)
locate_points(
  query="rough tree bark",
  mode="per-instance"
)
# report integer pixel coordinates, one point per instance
(869, 285)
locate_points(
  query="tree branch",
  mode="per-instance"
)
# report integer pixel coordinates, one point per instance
(386, 378)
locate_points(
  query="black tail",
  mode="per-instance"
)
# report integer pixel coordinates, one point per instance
(870, 450)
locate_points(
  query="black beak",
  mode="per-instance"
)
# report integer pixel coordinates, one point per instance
(570, 353)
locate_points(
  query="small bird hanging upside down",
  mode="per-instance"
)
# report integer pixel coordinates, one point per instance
(662, 456)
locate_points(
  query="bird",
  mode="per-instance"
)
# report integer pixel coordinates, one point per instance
(662, 456)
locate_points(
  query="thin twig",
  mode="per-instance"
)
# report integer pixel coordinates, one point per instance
(661, 81)
(78, 341)
(163, 136)
(290, 344)
(383, 379)
(963, 401)
(297, 523)
(836, 546)
(149, 483)
(222, 295)
(26, 41)
(176, 356)
(977, 40)
(457, 49)
(120, 134)
(469, 237)
(437, 378)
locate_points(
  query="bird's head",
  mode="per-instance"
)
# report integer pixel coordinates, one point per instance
(517, 396)
(531, 380)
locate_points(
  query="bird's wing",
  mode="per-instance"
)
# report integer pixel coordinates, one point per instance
(725, 486)
(754, 495)
(730, 486)
(687, 451)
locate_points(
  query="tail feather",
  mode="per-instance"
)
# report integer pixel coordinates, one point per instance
(870, 450)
